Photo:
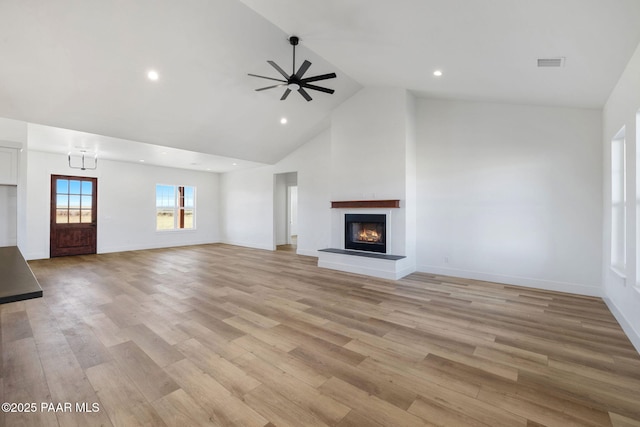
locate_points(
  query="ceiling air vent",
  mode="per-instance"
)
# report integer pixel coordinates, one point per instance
(551, 62)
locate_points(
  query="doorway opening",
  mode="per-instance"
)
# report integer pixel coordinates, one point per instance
(286, 211)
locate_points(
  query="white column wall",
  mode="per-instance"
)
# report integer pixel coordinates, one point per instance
(369, 160)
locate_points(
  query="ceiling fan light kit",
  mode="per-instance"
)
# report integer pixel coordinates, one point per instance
(295, 81)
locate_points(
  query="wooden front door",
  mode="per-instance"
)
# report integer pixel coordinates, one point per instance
(73, 215)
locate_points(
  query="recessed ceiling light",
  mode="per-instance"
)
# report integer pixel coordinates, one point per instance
(142, 161)
(234, 164)
(153, 75)
(437, 73)
(283, 121)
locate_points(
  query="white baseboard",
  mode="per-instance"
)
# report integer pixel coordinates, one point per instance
(549, 285)
(627, 327)
(144, 246)
(307, 252)
(123, 248)
(35, 255)
(248, 244)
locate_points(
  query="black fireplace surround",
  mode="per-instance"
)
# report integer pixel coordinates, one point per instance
(365, 232)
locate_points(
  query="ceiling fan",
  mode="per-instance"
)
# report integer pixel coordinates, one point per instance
(295, 80)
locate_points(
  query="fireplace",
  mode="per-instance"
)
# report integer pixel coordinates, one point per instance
(365, 232)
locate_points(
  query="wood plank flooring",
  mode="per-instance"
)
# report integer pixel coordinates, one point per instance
(229, 336)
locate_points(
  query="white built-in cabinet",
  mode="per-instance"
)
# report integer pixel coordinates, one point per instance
(8, 166)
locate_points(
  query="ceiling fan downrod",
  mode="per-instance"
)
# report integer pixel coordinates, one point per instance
(294, 42)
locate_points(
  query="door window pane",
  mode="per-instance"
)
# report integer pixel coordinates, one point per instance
(74, 201)
(74, 216)
(62, 201)
(85, 202)
(85, 216)
(74, 187)
(62, 216)
(62, 186)
(87, 187)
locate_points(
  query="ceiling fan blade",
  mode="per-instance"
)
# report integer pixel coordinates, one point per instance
(321, 89)
(320, 77)
(304, 94)
(280, 70)
(270, 87)
(303, 69)
(268, 78)
(285, 94)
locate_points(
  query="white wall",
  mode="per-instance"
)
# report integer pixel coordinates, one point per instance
(126, 204)
(247, 200)
(510, 193)
(623, 295)
(247, 208)
(8, 215)
(13, 133)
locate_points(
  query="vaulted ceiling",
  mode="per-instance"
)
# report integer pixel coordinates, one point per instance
(82, 66)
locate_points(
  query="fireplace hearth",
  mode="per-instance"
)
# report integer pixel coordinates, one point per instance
(365, 232)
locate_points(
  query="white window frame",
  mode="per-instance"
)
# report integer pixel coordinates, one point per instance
(176, 207)
(618, 260)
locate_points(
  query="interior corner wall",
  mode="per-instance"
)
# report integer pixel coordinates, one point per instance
(126, 204)
(510, 193)
(247, 200)
(622, 109)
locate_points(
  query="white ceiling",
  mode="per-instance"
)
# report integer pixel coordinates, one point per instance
(81, 65)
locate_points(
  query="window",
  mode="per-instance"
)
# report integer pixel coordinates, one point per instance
(74, 201)
(175, 207)
(618, 204)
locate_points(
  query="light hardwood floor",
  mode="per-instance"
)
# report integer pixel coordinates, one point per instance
(222, 335)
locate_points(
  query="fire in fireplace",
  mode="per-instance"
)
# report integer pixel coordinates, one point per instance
(365, 232)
